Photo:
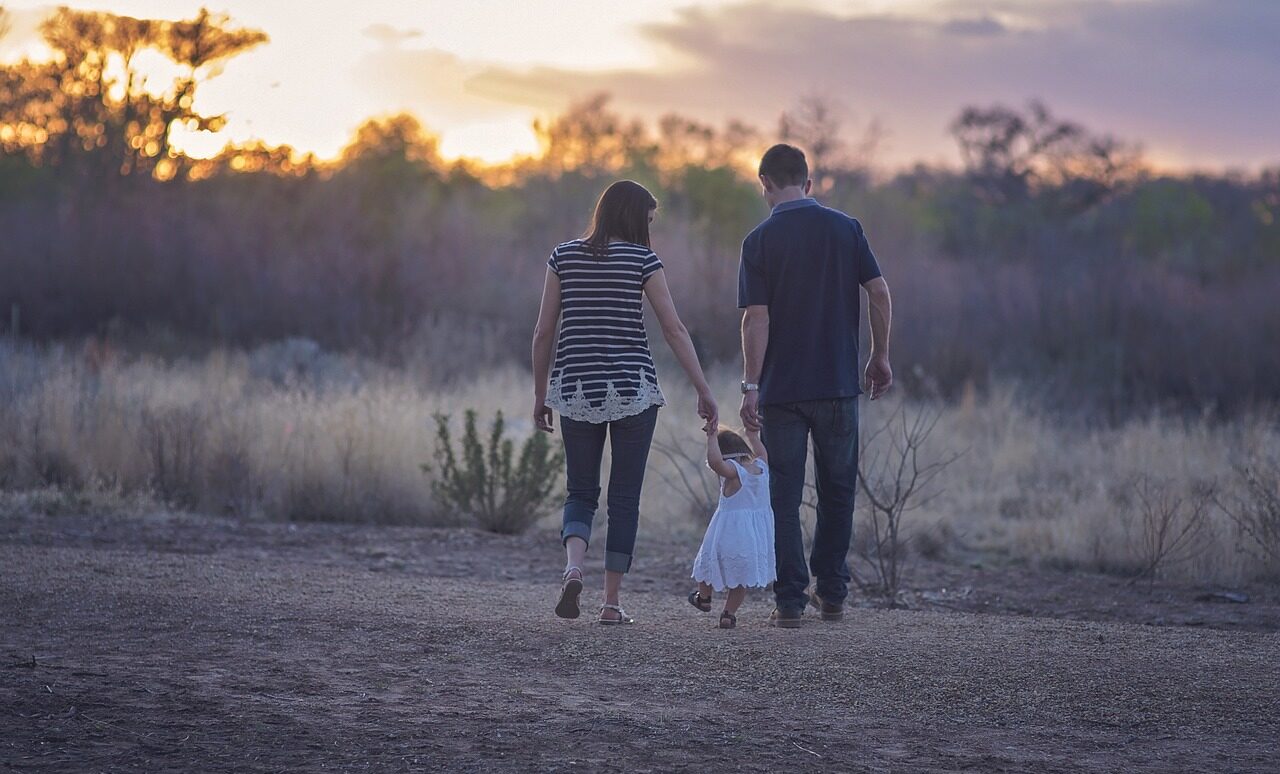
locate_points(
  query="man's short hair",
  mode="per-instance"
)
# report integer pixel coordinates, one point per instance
(784, 165)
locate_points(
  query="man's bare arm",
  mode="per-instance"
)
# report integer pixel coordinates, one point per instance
(880, 312)
(755, 340)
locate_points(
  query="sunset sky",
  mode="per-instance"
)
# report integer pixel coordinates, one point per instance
(1195, 81)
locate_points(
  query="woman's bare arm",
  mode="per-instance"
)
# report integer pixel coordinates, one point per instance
(543, 340)
(677, 336)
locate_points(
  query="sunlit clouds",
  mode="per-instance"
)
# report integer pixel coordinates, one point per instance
(1192, 80)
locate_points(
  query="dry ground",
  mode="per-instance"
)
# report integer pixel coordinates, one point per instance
(186, 644)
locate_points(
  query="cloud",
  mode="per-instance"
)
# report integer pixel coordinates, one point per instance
(976, 26)
(435, 84)
(1194, 80)
(388, 35)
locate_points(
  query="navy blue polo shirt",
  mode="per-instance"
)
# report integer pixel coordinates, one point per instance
(806, 263)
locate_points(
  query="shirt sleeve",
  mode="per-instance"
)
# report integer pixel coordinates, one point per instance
(651, 266)
(868, 267)
(553, 262)
(753, 275)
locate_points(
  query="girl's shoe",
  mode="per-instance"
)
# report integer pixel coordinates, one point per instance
(728, 620)
(622, 620)
(567, 606)
(697, 600)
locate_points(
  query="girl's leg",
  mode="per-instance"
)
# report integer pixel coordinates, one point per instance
(734, 600)
(629, 440)
(704, 590)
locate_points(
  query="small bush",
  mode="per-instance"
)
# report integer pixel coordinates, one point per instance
(1255, 510)
(1170, 525)
(173, 438)
(486, 486)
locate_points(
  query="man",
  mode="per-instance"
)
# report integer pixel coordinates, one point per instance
(798, 282)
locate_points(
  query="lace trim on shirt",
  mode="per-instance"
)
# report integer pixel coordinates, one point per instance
(613, 406)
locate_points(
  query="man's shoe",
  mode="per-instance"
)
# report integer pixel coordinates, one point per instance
(828, 611)
(786, 619)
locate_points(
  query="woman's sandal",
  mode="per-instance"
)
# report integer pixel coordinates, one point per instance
(730, 618)
(567, 606)
(697, 600)
(621, 620)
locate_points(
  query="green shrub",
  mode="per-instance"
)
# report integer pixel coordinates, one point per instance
(484, 484)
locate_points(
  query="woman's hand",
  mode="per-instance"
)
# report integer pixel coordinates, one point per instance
(542, 418)
(708, 410)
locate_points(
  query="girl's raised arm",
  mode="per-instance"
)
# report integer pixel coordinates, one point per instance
(715, 460)
(757, 445)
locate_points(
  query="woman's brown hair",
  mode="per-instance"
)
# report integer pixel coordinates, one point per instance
(621, 213)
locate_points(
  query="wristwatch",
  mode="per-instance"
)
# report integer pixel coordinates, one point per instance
(749, 387)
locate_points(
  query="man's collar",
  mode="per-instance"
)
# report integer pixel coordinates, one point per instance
(795, 204)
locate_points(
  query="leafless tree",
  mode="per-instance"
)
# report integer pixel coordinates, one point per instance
(1170, 523)
(818, 124)
(1256, 511)
(894, 480)
(688, 476)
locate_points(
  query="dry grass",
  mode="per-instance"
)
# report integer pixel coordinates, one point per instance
(289, 432)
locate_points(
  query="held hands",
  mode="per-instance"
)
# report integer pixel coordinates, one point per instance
(879, 375)
(708, 410)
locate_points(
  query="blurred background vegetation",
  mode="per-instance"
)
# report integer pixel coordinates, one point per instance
(1055, 256)
(267, 332)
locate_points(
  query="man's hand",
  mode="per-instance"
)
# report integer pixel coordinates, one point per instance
(879, 375)
(542, 416)
(750, 412)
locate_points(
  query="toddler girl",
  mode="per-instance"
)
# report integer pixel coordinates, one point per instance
(737, 551)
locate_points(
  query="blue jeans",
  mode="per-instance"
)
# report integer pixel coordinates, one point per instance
(833, 424)
(629, 440)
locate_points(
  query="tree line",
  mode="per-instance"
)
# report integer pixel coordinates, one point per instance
(1055, 256)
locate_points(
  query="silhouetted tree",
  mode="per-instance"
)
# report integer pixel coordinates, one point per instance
(591, 138)
(255, 157)
(818, 125)
(1008, 153)
(90, 109)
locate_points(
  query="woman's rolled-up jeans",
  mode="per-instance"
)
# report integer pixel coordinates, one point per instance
(629, 440)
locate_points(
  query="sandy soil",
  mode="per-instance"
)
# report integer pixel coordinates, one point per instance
(188, 644)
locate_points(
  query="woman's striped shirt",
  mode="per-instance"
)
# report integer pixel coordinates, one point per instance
(603, 370)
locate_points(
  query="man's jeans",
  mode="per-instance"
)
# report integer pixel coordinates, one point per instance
(629, 440)
(834, 427)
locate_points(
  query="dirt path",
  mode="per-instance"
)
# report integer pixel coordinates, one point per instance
(183, 645)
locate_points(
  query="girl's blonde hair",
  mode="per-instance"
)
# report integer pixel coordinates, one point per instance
(731, 443)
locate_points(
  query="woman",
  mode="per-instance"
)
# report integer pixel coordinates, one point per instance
(603, 381)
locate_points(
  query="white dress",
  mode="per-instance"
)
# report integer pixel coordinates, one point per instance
(738, 547)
